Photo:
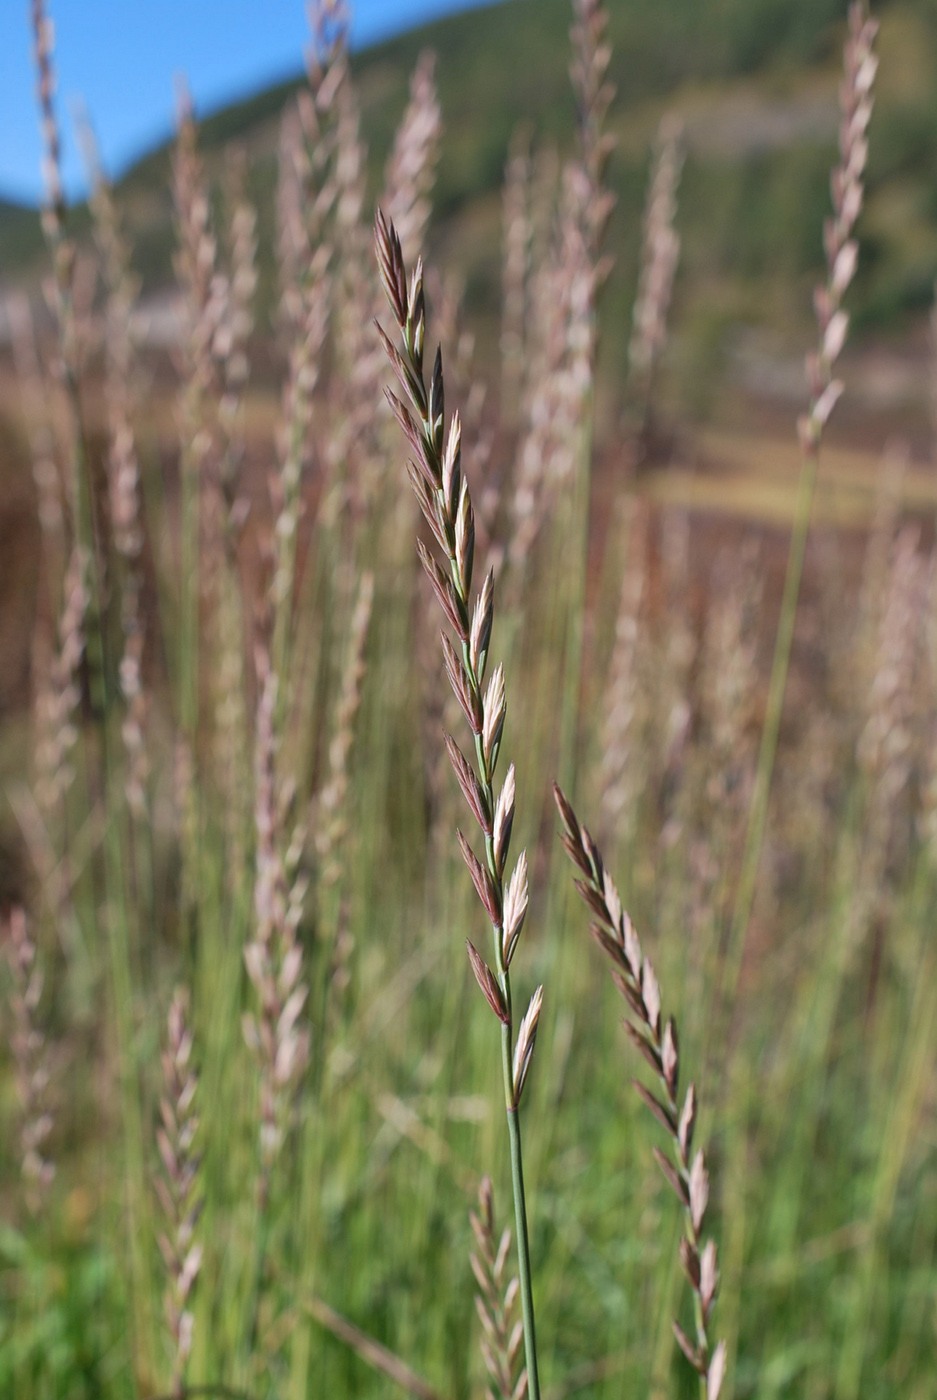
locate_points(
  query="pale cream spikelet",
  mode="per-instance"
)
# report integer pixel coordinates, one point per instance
(178, 1186)
(274, 956)
(623, 764)
(31, 1058)
(842, 251)
(57, 703)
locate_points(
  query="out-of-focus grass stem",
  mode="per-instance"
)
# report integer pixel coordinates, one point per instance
(842, 253)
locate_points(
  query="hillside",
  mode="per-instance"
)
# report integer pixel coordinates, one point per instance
(755, 81)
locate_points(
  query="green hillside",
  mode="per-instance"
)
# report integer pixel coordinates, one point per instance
(756, 82)
(20, 236)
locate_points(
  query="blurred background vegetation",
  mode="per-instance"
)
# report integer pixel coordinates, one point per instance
(820, 1119)
(756, 83)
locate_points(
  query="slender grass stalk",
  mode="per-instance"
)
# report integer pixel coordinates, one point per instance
(330, 823)
(585, 207)
(660, 254)
(83, 518)
(515, 274)
(109, 889)
(576, 599)
(445, 500)
(195, 263)
(276, 1031)
(45, 468)
(911, 1086)
(371, 1351)
(622, 762)
(128, 1073)
(308, 339)
(842, 254)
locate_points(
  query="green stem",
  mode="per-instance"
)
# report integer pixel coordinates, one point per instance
(514, 1127)
(758, 813)
(85, 520)
(576, 596)
(139, 1228)
(113, 893)
(189, 603)
(523, 1246)
(255, 1295)
(507, 1034)
(291, 477)
(88, 536)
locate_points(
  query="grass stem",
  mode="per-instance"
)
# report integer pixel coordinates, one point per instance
(523, 1254)
(758, 813)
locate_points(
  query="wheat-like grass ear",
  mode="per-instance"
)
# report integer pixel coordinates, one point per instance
(442, 490)
(656, 1041)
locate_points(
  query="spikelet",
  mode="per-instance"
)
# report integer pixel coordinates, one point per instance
(204, 303)
(656, 1041)
(43, 40)
(353, 448)
(927, 815)
(307, 195)
(727, 745)
(442, 490)
(409, 178)
(200, 358)
(57, 703)
(676, 704)
(842, 252)
(660, 254)
(178, 1186)
(232, 338)
(331, 818)
(230, 742)
(49, 489)
(885, 749)
(516, 235)
(231, 733)
(440, 709)
(566, 289)
(123, 473)
(876, 566)
(469, 389)
(317, 191)
(30, 1050)
(69, 295)
(496, 1302)
(411, 169)
(274, 955)
(593, 92)
(547, 452)
(623, 743)
(730, 679)
(61, 247)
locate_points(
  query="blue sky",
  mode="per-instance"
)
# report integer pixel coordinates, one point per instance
(121, 58)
